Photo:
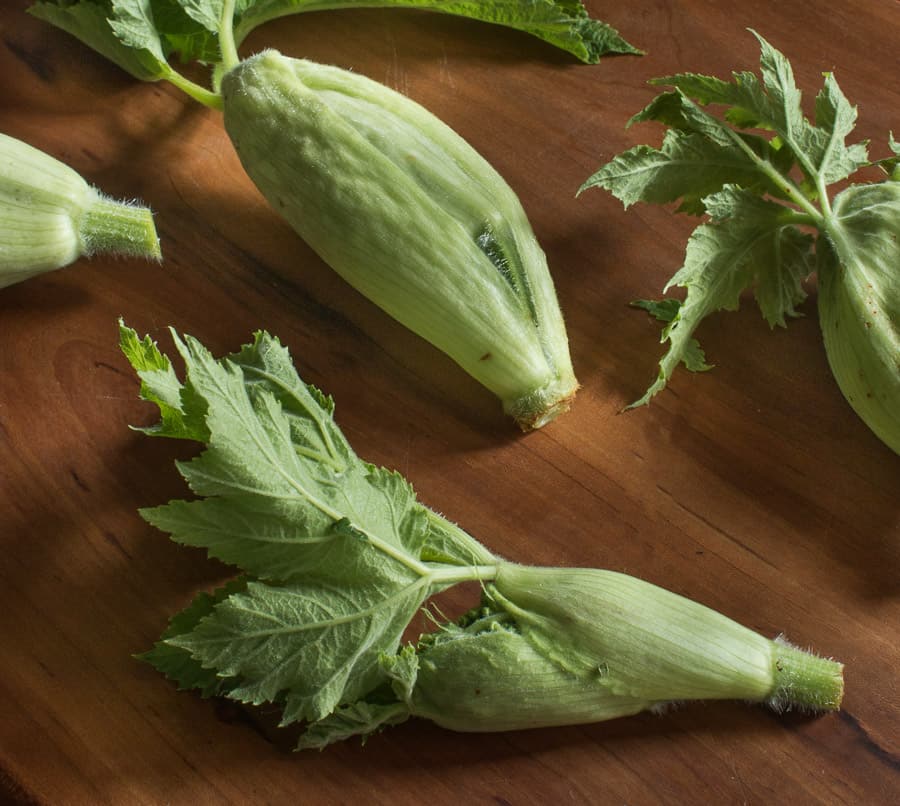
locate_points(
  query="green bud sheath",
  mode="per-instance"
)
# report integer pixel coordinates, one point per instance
(49, 216)
(411, 216)
(499, 681)
(566, 646)
(859, 303)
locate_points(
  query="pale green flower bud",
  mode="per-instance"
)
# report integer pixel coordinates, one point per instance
(859, 303)
(562, 646)
(410, 215)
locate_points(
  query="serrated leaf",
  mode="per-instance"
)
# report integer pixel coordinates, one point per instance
(820, 149)
(726, 257)
(890, 165)
(894, 169)
(360, 718)
(779, 258)
(297, 482)
(339, 542)
(315, 646)
(783, 262)
(176, 663)
(756, 235)
(88, 21)
(747, 104)
(284, 539)
(140, 35)
(562, 23)
(784, 109)
(687, 168)
(835, 119)
(132, 22)
(266, 364)
(666, 311)
(207, 12)
(160, 385)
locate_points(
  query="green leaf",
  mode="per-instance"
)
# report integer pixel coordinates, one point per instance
(132, 22)
(820, 149)
(746, 101)
(101, 24)
(677, 110)
(340, 543)
(282, 484)
(891, 165)
(176, 663)
(751, 240)
(666, 310)
(784, 111)
(283, 538)
(380, 709)
(207, 12)
(763, 192)
(781, 257)
(316, 646)
(835, 119)
(267, 365)
(360, 718)
(161, 386)
(687, 168)
(188, 28)
(562, 23)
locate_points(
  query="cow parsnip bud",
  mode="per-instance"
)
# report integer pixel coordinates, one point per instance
(562, 646)
(859, 303)
(410, 215)
(489, 677)
(50, 216)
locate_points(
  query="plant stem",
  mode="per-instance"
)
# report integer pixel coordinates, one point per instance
(823, 195)
(790, 189)
(204, 96)
(479, 554)
(472, 573)
(805, 681)
(227, 44)
(124, 229)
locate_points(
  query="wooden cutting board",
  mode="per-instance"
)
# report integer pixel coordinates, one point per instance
(752, 488)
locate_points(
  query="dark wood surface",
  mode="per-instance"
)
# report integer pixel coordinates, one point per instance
(753, 488)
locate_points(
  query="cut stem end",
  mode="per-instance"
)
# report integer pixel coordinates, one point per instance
(805, 681)
(542, 406)
(120, 228)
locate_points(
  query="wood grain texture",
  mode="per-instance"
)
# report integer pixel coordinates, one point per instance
(753, 489)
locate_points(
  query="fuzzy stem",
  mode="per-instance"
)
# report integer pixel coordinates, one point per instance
(227, 43)
(479, 555)
(204, 96)
(804, 681)
(125, 229)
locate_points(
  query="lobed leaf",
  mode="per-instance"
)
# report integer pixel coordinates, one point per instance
(314, 646)
(177, 663)
(562, 23)
(141, 53)
(361, 718)
(687, 168)
(748, 238)
(335, 547)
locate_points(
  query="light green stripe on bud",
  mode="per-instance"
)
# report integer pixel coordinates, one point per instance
(50, 216)
(564, 646)
(410, 215)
